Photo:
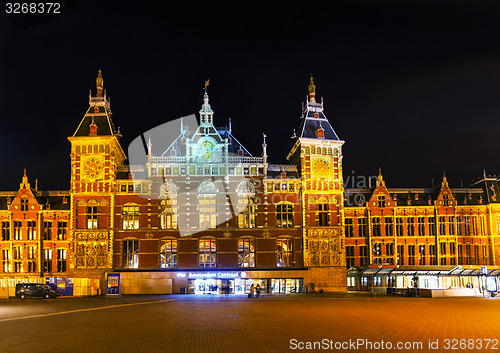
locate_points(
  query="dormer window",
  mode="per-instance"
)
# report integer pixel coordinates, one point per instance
(172, 153)
(96, 110)
(446, 201)
(283, 175)
(93, 128)
(316, 115)
(240, 152)
(320, 133)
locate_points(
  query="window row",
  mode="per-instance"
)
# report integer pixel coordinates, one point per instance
(29, 231)
(25, 260)
(207, 253)
(411, 226)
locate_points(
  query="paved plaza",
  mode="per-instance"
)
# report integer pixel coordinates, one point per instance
(188, 323)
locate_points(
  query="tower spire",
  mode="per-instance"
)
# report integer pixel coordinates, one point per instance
(99, 82)
(312, 91)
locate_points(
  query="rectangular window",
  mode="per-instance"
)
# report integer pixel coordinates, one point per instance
(18, 225)
(362, 227)
(31, 225)
(92, 217)
(411, 254)
(452, 248)
(363, 255)
(130, 217)
(476, 256)
(207, 211)
(61, 260)
(401, 255)
(421, 255)
(284, 215)
(485, 255)
(168, 212)
(459, 225)
(47, 260)
(442, 225)
(168, 253)
(451, 225)
(24, 205)
(47, 230)
(467, 225)
(432, 255)
(460, 254)
(376, 227)
(246, 252)
(6, 231)
(442, 247)
(389, 249)
(17, 253)
(322, 210)
(468, 254)
(62, 230)
(474, 226)
(410, 226)
(207, 253)
(349, 254)
(6, 266)
(399, 226)
(284, 252)
(381, 201)
(377, 249)
(432, 226)
(349, 227)
(421, 226)
(130, 254)
(389, 226)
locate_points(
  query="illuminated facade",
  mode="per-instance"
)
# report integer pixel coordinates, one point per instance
(205, 216)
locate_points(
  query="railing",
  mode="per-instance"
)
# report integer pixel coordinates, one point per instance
(168, 159)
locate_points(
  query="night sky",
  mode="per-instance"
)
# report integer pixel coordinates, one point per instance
(412, 87)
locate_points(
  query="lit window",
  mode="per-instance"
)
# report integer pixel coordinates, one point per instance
(130, 215)
(284, 215)
(322, 212)
(207, 205)
(92, 217)
(168, 253)
(168, 206)
(61, 260)
(62, 230)
(130, 254)
(5, 231)
(6, 266)
(246, 252)
(47, 260)
(207, 252)
(284, 252)
(31, 225)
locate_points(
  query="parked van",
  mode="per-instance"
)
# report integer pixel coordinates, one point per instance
(35, 290)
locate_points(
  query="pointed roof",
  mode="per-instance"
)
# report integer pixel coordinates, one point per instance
(98, 114)
(313, 119)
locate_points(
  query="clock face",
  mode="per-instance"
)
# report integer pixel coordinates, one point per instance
(92, 168)
(321, 167)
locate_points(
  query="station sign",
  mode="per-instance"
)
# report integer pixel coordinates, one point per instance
(225, 275)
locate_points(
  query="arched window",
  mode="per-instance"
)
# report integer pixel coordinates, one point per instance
(322, 212)
(92, 214)
(308, 150)
(207, 204)
(168, 253)
(324, 150)
(246, 252)
(207, 252)
(247, 208)
(284, 250)
(130, 216)
(167, 209)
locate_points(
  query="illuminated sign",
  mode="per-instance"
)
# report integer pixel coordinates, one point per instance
(212, 275)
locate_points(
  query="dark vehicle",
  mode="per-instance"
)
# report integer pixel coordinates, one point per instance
(35, 290)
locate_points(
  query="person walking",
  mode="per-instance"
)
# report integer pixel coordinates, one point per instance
(257, 290)
(252, 290)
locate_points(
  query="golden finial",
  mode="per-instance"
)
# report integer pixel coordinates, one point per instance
(99, 84)
(312, 91)
(207, 82)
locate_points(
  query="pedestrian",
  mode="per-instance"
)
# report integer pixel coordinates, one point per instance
(252, 290)
(312, 285)
(257, 290)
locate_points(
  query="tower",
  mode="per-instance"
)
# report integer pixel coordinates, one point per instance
(96, 157)
(317, 152)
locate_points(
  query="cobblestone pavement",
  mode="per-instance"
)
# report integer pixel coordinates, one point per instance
(187, 323)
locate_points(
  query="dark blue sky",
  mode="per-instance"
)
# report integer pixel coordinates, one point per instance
(413, 87)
